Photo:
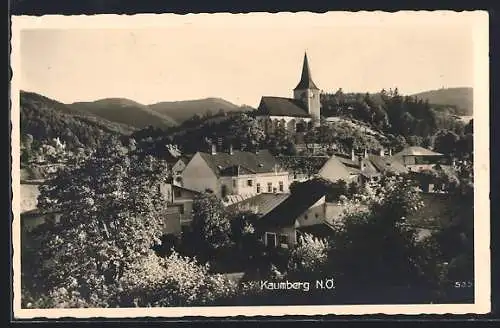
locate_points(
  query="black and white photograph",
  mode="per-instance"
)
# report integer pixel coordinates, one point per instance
(250, 164)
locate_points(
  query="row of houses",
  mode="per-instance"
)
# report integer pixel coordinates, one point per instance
(260, 182)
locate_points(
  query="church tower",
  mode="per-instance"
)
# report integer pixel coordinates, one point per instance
(308, 92)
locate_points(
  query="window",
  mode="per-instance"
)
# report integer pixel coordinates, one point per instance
(305, 216)
(177, 192)
(258, 188)
(283, 239)
(269, 187)
(235, 183)
(223, 191)
(249, 183)
(181, 209)
(281, 185)
(270, 239)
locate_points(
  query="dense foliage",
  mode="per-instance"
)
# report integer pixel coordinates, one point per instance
(45, 119)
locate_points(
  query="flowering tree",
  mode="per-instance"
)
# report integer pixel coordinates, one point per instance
(174, 281)
(309, 258)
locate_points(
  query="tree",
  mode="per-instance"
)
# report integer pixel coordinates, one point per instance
(309, 258)
(377, 242)
(174, 281)
(110, 217)
(244, 129)
(211, 229)
(445, 142)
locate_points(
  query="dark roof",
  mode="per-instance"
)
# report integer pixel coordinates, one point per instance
(187, 189)
(243, 162)
(306, 81)
(304, 196)
(297, 164)
(279, 106)
(322, 230)
(387, 164)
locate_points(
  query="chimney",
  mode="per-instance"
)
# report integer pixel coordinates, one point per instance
(390, 152)
(353, 155)
(365, 153)
(230, 149)
(382, 152)
(214, 149)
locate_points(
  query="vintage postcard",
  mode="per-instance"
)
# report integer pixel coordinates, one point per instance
(250, 164)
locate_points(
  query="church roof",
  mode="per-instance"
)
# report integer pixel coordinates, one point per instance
(306, 81)
(278, 106)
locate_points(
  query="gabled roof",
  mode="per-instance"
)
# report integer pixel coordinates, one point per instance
(298, 164)
(306, 81)
(279, 106)
(186, 189)
(261, 203)
(304, 196)
(387, 164)
(416, 151)
(223, 163)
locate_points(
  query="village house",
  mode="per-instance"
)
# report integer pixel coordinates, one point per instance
(304, 211)
(293, 114)
(358, 168)
(179, 208)
(235, 172)
(418, 158)
(31, 215)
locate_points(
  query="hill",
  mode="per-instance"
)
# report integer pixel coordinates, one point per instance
(124, 111)
(184, 110)
(45, 118)
(459, 99)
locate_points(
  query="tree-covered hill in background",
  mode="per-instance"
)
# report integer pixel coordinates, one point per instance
(184, 110)
(458, 101)
(45, 119)
(125, 111)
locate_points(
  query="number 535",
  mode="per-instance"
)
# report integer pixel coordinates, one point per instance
(463, 284)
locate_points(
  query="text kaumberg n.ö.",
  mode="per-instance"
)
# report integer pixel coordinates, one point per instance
(324, 284)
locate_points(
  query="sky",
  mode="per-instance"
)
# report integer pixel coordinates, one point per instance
(244, 57)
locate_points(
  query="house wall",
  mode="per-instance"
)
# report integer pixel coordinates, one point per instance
(274, 179)
(29, 193)
(314, 214)
(197, 175)
(333, 212)
(270, 123)
(289, 232)
(311, 99)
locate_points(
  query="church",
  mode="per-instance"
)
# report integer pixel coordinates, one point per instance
(293, 114)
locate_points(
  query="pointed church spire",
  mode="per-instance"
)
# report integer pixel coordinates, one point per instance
(306, 81)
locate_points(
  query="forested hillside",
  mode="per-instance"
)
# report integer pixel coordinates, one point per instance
(44, 119)
(184, 110)
(125, 111)
(458, 101)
